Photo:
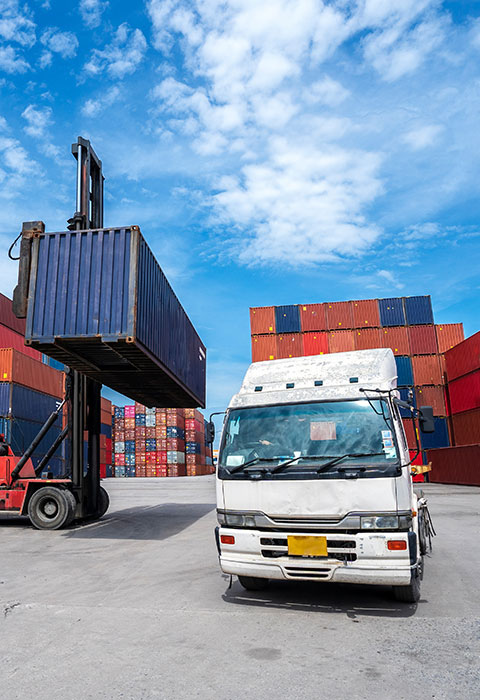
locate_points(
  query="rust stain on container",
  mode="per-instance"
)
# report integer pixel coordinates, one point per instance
(396, 338)
(365, 313)
(313, 317)
(339, 315)
(264, 347)
(262, 320)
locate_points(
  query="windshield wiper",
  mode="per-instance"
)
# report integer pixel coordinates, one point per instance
(241, 467)
(330, 463)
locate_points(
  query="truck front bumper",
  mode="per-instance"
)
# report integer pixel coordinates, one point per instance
(358, 558)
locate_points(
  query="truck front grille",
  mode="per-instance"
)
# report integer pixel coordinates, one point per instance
(339, 549)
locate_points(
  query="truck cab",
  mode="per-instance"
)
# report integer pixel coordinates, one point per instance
(314, 478)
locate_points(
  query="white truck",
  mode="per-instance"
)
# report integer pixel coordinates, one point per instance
(314, 479)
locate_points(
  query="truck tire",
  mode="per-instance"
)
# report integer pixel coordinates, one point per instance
(103, 502)
(410, 593)
(251, 583)
(422, 532)
(51, 508)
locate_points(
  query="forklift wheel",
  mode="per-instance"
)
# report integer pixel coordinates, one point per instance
(50, 508)
(103, 502)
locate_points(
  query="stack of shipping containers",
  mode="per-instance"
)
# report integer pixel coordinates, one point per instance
(460, 464)
(160, 442)
(404, 324)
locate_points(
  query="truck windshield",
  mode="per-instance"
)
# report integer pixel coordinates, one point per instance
(360, 432)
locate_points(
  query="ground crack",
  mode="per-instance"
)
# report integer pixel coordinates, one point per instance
(8, 608)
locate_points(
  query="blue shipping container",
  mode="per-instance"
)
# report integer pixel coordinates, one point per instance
(391, 311)
(404, 371)
(119, 411)
(130, 471)
(404, 395)
(140, 418)
(104, 297)
(19, 434)
(17, 401)
(418, 310)
(129, 446)
(130, 460)
(106, 430)
(174, 432)
(287, 319)
(439, 438)
(119, 471)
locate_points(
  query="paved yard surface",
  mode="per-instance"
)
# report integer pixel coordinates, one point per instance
(134, 606)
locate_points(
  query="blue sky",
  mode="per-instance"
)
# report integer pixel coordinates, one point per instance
(274, 152)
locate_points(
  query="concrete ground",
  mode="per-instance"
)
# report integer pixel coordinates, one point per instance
(134, 606)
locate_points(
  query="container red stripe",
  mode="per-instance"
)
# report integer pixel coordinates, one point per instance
(339, 315)
(262, 320)
(264, 347)
(423, 340)
(315, 343)
(365, 313)
(396, 338)
(367, 338)
(449, 335)
(289, 345)
(313, 317)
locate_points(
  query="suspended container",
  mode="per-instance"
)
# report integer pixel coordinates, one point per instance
(100, 303)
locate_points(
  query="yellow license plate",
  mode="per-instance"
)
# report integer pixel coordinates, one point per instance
(307, 546)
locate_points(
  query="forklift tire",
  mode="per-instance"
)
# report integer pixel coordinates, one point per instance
(252, 583)
(51, 508)
(103, 502)
(71, 497)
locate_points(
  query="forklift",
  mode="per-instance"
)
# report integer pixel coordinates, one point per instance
(53, 503)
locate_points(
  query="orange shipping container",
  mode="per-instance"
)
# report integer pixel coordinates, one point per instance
(367, 338)
(20, 369)
(365, 313)
(433, 396)
(341, 341)
(264, 347)
(315, 343)
(262, 320)
(339, 315)
(313, 317)
(396, 338)
(289, 345)
(426, 370)
(449, 335)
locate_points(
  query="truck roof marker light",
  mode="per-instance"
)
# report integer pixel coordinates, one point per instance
(353, 380)
(290, 385)
(258, 388)
(396, 545)
(227, 539)
(318, 382)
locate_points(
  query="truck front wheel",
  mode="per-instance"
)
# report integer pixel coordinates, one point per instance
(251, 583)
(50, 508)
(410, 593)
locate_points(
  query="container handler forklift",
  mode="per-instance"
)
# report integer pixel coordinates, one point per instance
(53, 503)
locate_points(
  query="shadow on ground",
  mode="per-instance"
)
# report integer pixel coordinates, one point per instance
(137, 523)
(355, 601)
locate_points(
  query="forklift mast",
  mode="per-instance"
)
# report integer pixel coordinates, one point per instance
(83, 393)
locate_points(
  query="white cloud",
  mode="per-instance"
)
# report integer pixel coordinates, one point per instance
(38, 120)
(63, 43)
(45, 59)
(15, 158)
(122, 57)
(91, 11)
(16, 23)
(11, 61)
(422, 136)
(94, 107)
(326, 91)
(390, 277)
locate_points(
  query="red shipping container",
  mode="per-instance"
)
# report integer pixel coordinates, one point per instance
(130, 434)
(262, 320)
(339, 315)
(423, 340)
(365, 313)
(150, 471)
(139, 408)
(21, 369)
(289, 345)
(433, 396)
(410, 429)
(466, 427)
(449, 335)
(418, 459)
(341, 341)
(463, 358)
(264, 347)
(396, 338)
(193, 424)
(119, 423)
(103, 442)
(368, 338)
(455, 465)
(8, 318)
(151, 459)
(190, 436)
(161, 417)
(161, 458)
(119, 460)
(11, 339)
(464, 392)
(119, 436)
(162, 470)
(140, 445)
(313, 317)
(193, 413)
(426, 370)
(141, 431)
(129, 423)
(108, 443)
(176, 444)
(162, 444)
(315, 343)
(161, 432)
(150, 432)
(141, 457)
(103, 471)
(140, 471)
(175, 420)
(106, 417)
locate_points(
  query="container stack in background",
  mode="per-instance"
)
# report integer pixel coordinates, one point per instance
(160, 442)
(106, 433)
(30, 390)
(404, 324)
(460, 464)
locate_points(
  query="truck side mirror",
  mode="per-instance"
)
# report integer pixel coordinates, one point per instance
(426, 420)
(210, 432)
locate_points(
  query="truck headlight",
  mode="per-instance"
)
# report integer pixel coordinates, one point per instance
(379, 522)
(238, 520)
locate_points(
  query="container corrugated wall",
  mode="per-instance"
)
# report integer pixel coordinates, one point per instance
(426, 370)
(17, 401)
(449, 335)
(423, 340)
(463, 358)
(433, 396)
(439, 438)
(11, 339)
(339, 315)
(341, 341)
(365, 313)
(287, 319)
(21, 369)
(466, 428)
(315, 343)
(7, 317)
(391, 311)
(396, 338)
(404, 371)
(264, 347)
(418, 310)
(289, 345)
(262, 320)
(368, 338)
(313, 317)
(455, 465)
(464, 392)
(100, 303)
